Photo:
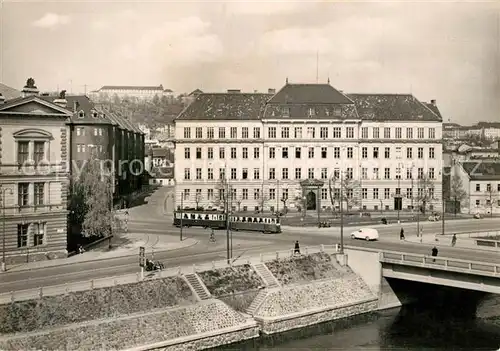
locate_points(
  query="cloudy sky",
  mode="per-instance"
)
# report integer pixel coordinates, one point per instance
(446, 51)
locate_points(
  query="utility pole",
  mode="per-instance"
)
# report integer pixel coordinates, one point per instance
(341, 212)
(228, 223)
(182, 214)
(277, 196)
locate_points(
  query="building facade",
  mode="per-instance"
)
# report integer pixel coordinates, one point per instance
(267, 145)
(139, 92)
(33, 178)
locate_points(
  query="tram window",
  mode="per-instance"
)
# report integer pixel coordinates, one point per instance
(260, 220)
(207, 217)
(244, 220)
(186, 216)
(255, 220)
(193, 216)
(273, 221)
(277, 221)
(249, 220)
(199, 216)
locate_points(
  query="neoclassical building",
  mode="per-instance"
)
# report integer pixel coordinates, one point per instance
(290, 144)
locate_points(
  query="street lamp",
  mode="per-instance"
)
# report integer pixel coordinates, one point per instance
(4, 190)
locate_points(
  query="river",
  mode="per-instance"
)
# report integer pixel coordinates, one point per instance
(413, 327)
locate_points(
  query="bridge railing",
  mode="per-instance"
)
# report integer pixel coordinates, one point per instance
(482, 234)
(445, 263)
(61, 289)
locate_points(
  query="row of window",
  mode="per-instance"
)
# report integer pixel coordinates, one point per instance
(489, 188)
(296, 152)
(23, 194)
(311, 173)
(23, 151)
(80, 131)
(311, 133)
(487, 202)
(89, 147)
(30, 234)
(374, 194)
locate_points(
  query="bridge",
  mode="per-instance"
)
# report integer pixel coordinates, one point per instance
(378, 268)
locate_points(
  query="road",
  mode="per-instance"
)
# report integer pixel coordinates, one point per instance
(245, 244)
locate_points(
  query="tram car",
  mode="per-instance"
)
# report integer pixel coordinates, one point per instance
(217, 220)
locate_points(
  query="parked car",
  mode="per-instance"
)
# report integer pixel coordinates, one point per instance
(434, 218)
(477, 216)
(367, 234)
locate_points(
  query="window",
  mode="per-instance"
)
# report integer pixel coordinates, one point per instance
(210, 173)
(323, 152)
(96, 131)
(398, 133)
(256, 132)
(298, 173)
(387, 133)
(271, 133)
(298, 152)
(198, 153)
(420, 173)
(284, 152)
(187, 193)
(38, 233)
(337, 111)
(222, 173)
(187, 153)
(80, 131)
(409, 152)
(375, 152)
(375, 173)
(420, 133)
(478, 187)
(387, 173)
(187, 174)
(272, 194)
(337, 132)
(256, 173)
(498, 187)
(272, 173)
(336, 152)
(387, 193)
(245, 152)
(364, 173)
(364, 132)
(431, 193)
(233, 173)
(210, 133)
(323, 132)
(364, 193)
(432, 133)
(187, 133)
(488, 187)
(409, 193)
(387, 152)
(286, 112)
(349, 152)
(431, 152)
(22, 152)
(375, 193)
(256, 152)
(199, 133)
(244, 132)
(210, 153)
(324, 194)
(349, 132)
(285, 132)
(409, 173)
(311, 111)
(256, 194)
(222, 153)
(311, 132)
(324, 173)
(222, 133)
(39, 194)
(284, 194)
(310, 152)
(478, 202)
(244, 194)
(409, 133)
(298, 133)
(420, 152)
(233, 153)
(376, 133)
(310, 173)
(39, 151)
(233, 132)
(23, 194)
(22, 235)
(364, 152)
(198, 173)
(284, 173)
(431, 173)
(349, 173)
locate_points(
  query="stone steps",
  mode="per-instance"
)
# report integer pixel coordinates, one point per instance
(197, 286)
(257, 302)
(266, 275)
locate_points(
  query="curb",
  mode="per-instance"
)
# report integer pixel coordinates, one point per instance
(437, 243)
(96, 260)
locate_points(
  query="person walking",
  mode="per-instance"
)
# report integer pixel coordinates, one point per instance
(402, 234)
(454, 240)
(434, 253)
(296, 249)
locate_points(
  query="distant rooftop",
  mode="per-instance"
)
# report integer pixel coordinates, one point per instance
(131, 87)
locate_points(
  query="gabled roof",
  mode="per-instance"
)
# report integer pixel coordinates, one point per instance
(225, 106)
(168, 91)
(9, 93)
(482, 170)
(9, 107)
(434, 109)
(392, 107)
(131, 87)
(195, 92)
(309, 94)
(78, 103)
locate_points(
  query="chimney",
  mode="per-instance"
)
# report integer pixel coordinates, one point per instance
(30, 88)
(61, 100)
(271, 91)
(2, 99)
(234, 91)
(433, 102)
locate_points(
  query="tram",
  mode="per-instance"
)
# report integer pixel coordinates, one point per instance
(268, 224)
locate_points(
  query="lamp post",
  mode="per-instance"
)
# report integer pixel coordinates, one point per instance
(4, 190)
(361, 189)
(182, 214)
(341, 212)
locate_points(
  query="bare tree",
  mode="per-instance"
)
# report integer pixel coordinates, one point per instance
(457, 192)
(284, 199)
(491, 197)
(350, 192)
(238, 201)
(300, 202)
(425, 192)
(197, 199)
(221, 196)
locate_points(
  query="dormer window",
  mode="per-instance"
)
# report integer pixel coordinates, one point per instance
(337, 112)
(312, 112)
(286, 112)
(94, 114)
(327, 112)
(81, 114)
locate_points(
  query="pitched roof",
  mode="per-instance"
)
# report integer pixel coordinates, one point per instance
(225, 106)
(130, 87)
(162, 172)
(434, 109)
(9, 93)
(78, 103)
(23, 100)
(482, 170)
(195, 92)
(309, 94)
(392, 107)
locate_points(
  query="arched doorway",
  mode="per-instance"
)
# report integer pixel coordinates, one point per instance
(311, 200)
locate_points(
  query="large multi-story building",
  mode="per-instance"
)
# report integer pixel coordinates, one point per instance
(291, 143)
(139, 92)
(33, 178)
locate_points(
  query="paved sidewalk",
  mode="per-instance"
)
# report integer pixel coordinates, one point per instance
(445, 241)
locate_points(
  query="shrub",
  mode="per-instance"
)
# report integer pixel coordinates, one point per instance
(231, 280)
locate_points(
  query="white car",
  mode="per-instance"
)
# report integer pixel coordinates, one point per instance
(365, 234)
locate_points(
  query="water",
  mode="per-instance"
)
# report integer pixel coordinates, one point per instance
(415, 327)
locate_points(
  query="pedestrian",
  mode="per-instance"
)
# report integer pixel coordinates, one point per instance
(454, 240)
(402, 234)
(421, 231)
(297, 248)
(434, 253)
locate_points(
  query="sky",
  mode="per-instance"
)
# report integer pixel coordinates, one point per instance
(447, 51)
